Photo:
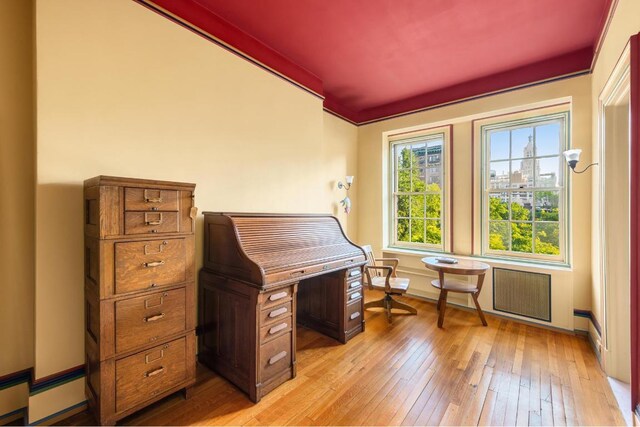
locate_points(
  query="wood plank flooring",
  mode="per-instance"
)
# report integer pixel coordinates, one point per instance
(412, 373)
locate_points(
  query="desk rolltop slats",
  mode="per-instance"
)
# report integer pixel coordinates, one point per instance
(269, 250)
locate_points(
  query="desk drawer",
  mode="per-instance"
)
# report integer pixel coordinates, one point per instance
(150, 199)
(275, 313)
(149, 264)
(354, 315)
(150, 222)
(354, 295)
(146, 374)
(275, 329)
(147, 319)
(354, 273)
(276, 297)
(354, 285)
(275, 357)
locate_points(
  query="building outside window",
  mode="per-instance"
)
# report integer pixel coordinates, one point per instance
(524, 194)
(418, 192)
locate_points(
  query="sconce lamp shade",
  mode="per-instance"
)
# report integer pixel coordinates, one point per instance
(349, 179)
(572, 157)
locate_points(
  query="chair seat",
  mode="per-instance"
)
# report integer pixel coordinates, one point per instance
(397, 284)
(455, 286)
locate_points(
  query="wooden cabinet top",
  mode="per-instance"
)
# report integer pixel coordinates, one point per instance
(136, 182)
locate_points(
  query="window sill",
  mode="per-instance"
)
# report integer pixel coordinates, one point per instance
(493, 261)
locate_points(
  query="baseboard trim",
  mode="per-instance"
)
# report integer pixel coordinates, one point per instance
(61, 415)
(12, 416)
(588, 314)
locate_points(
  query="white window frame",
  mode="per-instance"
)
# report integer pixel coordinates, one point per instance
(441, 133)
(563, 188)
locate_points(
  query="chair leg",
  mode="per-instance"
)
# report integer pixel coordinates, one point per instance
(443, 307)
(375, 304)
(387, 307)
(403, 306)
(480, 313)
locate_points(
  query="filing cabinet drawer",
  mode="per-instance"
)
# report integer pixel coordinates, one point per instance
(275, 357)
(150, 199)
(275, 313)
(275, 329)
(354, 315)
(147, 319)
(146, 374)
(149, 264)
(150, 222)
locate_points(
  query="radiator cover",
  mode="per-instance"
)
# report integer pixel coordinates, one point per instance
(523, 293)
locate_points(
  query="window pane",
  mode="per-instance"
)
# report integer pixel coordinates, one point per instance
(499, 145)
(417, 180)
(521, 205)
(434, 152)
(522, 173)
(499, 236)
(498, 175)
(404, 157)
(522, 143)
(403, 206)
(404, 180)
(403, 230)
(548, 172)
(521, 237)
(548, 139)
(548, 238)
(417, 206)
(417, 230)
(434, 232)
(499, 206)
(547, 206)
(434, 177)
(434, 205)
(418, 152)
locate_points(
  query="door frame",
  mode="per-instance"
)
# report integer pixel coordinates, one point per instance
(634, 218)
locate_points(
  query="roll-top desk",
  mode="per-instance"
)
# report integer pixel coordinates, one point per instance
(262, 274)
(139, 293)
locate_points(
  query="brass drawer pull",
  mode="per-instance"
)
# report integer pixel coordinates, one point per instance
(278, 312)
(154, 372)
(279, 295)
(298, 273)
(148, 359)
(277, 357)
(355, 315)
(156, 221)
(278, 328)
(354, 284)
(152, 264)
(154, 317)
(354, 273)
(149, 199)
(355, 295)
(150, 302)
(149, 251)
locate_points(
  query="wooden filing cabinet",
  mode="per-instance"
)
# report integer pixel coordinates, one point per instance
(139, 293)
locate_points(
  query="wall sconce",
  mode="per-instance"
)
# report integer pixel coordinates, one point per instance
(572, 157)
(346, 202)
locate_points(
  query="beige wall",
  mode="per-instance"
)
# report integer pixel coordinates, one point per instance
(573, 287)
(624, 24)
(16, 186)
(123, 91)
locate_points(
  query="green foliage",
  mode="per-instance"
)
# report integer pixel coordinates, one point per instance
(521, 237)
(412, 210)
(498, 209)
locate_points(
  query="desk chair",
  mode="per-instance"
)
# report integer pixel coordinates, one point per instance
(389, 283)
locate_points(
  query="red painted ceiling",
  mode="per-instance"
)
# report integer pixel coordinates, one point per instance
(377, 58)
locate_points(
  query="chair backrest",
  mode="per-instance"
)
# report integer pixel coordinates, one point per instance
(371, 260)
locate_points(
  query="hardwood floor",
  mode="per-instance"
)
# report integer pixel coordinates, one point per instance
(412, 373)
